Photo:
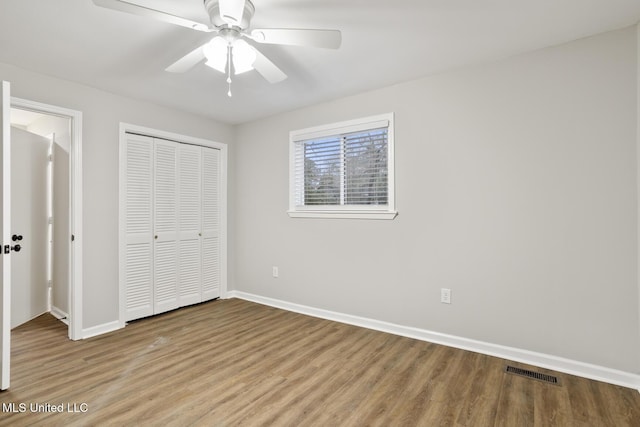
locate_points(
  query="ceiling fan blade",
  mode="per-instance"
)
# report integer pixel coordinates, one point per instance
(188, 61)
(329, 39)
(268, 69)
(125, 6)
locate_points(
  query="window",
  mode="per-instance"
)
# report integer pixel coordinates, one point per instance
(343, 170)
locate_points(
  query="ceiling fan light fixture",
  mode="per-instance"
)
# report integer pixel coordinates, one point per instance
(231, 11)
(243, 56)
(216, 53)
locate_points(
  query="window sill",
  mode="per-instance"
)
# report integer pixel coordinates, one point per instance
(344, 214)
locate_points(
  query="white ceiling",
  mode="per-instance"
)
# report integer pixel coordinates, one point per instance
(384, 42)
(24, 118)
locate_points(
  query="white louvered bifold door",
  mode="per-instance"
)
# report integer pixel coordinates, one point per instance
(166, 261)
(190, 209)
(211, 252)
(138, 214)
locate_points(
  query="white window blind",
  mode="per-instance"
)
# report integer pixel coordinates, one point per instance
(343, 167)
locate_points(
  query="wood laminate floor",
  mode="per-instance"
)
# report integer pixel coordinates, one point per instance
(236, 363)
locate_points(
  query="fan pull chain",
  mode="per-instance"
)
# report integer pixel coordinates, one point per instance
(229, 69)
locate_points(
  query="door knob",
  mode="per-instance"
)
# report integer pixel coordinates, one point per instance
(16, 237)
(16, 248)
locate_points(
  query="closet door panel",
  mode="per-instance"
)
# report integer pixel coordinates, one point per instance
(210, 268)
(138, 214)
(190, 214)
(166, 285)
(172, 253)
(210, 223)
(166, 253)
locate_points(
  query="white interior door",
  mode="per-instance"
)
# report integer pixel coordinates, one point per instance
(190, 231)
(29, 217)
(166, 256)
(5, 231)
(211, 250)
(137, 259)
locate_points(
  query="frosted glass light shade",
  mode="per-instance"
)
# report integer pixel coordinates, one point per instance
(216, 53)
(243, 56)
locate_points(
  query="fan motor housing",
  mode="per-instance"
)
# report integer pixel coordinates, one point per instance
(213, 9)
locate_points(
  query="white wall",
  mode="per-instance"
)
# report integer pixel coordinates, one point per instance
(516, 186)
(48, 124)
(102, 113)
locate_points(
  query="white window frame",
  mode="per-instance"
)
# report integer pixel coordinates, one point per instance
(387, 211)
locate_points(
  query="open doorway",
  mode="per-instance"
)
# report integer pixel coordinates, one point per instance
(63, 236)
(40, 212)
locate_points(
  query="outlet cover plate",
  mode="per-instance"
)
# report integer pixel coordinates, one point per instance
(445, 296)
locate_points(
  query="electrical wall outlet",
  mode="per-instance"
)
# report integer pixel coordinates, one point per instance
(445, 296)
(275, 271)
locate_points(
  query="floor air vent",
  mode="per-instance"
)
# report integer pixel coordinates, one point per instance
(533, 375)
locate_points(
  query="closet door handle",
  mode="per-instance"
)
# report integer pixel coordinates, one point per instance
(155, 237)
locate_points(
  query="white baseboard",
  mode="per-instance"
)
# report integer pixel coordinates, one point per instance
(100, 329)
(568, 366)
(60, 315)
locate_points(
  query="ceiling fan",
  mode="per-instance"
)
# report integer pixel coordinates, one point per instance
(228, 52)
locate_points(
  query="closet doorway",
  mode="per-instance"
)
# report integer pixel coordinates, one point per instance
(172, 221)
(45, 205)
